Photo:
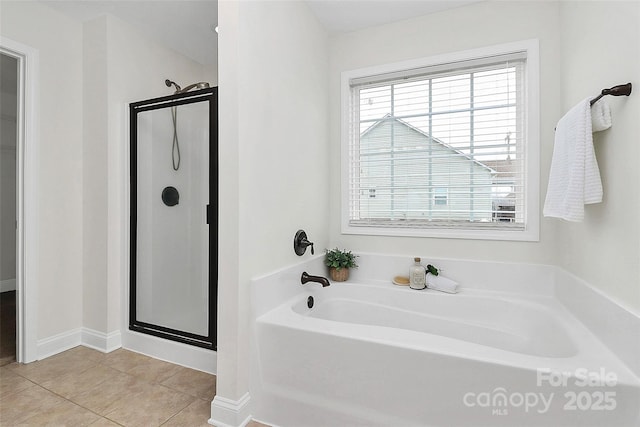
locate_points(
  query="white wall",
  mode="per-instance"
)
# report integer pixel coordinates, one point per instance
(601, 48)
(59, 42)
(478, 25)
(273, 157)
(121, 66)
(94, 191)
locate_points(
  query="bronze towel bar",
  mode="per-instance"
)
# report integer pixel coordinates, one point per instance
(615, 91)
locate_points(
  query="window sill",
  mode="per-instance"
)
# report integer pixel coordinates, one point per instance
(530, 234)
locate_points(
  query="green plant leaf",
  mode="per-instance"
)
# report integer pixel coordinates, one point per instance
(338, 259)
(431, 269)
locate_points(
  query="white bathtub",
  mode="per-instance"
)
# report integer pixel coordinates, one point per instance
(375, 354)
(495, 321)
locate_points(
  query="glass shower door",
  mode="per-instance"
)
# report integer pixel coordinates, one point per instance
(173, 217)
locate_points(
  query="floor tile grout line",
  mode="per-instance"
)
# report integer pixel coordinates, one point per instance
(71, 401)
(17, 369)
(151, 383)
(161, 383)
(113, 421)
(61, 397)
(173, 375)
(20, 391)
(36, 383)
(13, 393)
(106, 415)
(174, 415)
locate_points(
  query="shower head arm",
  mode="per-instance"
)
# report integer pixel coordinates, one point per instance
(199, 85)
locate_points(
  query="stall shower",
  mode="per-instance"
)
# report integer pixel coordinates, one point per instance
(173, 215)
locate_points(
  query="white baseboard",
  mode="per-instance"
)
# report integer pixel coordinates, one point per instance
(64, 341)
(171, 351)
(58, 343)
(100, 341)
(7, 285)
(230, 413)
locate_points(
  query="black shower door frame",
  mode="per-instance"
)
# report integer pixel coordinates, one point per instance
(209, 95)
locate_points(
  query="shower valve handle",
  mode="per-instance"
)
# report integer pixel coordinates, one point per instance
(300, 243)
(308, 243)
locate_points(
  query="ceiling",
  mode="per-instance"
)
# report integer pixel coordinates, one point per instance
(187, 25)
(343, 16)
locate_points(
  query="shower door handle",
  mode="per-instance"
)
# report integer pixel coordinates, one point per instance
(208, 214)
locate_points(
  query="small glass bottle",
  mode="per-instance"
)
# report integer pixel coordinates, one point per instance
(417, 275)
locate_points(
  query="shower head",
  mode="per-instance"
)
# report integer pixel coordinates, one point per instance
(169, 83)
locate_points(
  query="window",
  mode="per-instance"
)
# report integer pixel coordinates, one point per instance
(440, 196)
(447, 146)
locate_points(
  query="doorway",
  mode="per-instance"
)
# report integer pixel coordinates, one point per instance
(23, 79)
(8, 206)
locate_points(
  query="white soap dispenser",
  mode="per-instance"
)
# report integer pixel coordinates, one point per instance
(417, 275)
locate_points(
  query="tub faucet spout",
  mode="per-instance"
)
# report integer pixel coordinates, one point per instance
(318, 279)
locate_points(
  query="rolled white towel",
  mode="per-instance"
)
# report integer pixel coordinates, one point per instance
(600, 116)
(440, 283)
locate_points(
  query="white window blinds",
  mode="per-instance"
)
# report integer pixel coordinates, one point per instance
(439, 147)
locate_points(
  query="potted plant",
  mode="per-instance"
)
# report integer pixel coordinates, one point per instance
(339, 263)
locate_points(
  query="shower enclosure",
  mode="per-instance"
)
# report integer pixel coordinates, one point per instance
(174, 216)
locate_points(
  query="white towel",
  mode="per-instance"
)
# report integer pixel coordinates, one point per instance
(600, 116)
(440, 283)
(574, 179)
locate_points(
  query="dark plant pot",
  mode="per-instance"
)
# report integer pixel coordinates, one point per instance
(339, 275)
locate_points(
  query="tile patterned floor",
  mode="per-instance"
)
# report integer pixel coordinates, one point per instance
(83, 387)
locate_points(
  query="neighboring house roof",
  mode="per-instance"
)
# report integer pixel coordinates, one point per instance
(506, 167)
(387, 118)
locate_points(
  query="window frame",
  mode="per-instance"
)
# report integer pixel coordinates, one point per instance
(531, 229)
(440, 196)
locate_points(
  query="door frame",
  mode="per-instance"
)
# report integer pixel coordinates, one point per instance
(210, 96)
(27, 198)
